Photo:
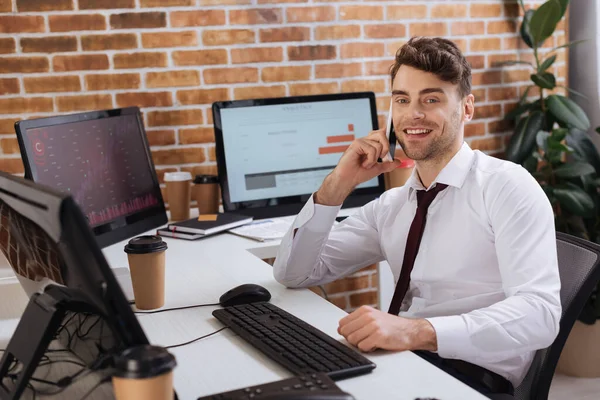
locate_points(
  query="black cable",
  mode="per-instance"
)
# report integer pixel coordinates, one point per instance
(195, 340)
(96, 386)
(176, 308)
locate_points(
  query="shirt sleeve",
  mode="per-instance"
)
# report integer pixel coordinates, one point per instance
(528, 319)
(315, 252)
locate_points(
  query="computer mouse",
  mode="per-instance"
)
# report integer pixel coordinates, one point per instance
(244, 294)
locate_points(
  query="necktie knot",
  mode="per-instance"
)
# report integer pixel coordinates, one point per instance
(425, 197)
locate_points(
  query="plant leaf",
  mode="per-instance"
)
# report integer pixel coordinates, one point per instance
(559, 134)
(585, 150)
(567, 111)
(563, 7)
(522, 141)
(547, 63)
(511, 62)
(543, 21)
(598, 129)
(573, 43)
(525, 30)
(541, 140)
(573, 91)
(515, 112)
(574, 199)
(545, 80)
(574, 169)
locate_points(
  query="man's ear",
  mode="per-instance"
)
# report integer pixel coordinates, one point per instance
(469, 107)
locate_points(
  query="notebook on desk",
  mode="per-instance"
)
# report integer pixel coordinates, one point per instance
(206, 225)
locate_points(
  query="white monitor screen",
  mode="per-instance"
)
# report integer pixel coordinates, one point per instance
(282, 150)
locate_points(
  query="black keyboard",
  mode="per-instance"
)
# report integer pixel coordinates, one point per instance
(298, 346)
(304, 387)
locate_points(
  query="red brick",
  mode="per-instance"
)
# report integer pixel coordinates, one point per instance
(200, 57)
(230, 75)
(318, 52)
(117, 41)
(172, 79)
(49, 84)
(8, 125)
(488, 111)
(476, 62)
(23, 64)
(513, 43)
(212, 153)
(11, 165)
(253, 16)
(461, 44)
(428, 29)
(202, 96)
(21, 105)
(140, 60)
(500, 126)
(337, 32)
(495, 60)
(486, 78)
(364, 85)
(305, 89)
(258, 92)
(9, 146)
(449, 11)
(392, 48)
(166, 3)
(163, 137)
(169, 39)
(7, 45)
(383, 103)
(80, 62)
(52, 44)
(9, 86)
(179, 156)
(381, 67)
(77, 22)
(270, 1)
(287, 34)
(145, 99)
(381, 31)
(502, 93)
(340, 302)
(348, 284)
(112, 81)
(256, 54)
(175, 118)
(230, 36)
(485, 44)
(479, 95)
(506, 26)
(283, 74)
(105, 4)
(338, 70)
(197, 18)
(485, 10)
(468, 28)
(364, 299)
(143, 20)
(6, 6)
(372, 13)
(310, 14)
(487, 144)
(362, 50)
(21, 23)
(472, 129)
(516, 75)
(196, 135)
(44, 5)
(84, 103)
(407, 12)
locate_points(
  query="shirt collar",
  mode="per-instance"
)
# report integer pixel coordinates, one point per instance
(453, 174)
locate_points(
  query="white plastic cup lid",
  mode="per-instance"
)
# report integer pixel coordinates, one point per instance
(177, 176)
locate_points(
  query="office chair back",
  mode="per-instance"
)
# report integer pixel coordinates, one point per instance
(579, 268)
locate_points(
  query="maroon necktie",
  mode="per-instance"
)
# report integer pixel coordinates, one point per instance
(424, 199)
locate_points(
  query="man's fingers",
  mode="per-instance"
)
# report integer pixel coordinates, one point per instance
(349, 328)
(369, 343)
(362, 333)
(381, 149)
(369, 151)
(388, 166)
(353, 316)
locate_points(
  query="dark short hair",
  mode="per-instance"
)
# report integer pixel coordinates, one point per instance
(436, 55)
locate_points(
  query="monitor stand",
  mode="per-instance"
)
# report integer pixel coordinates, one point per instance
(36, 329)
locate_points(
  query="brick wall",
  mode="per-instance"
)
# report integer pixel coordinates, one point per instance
(173, 58)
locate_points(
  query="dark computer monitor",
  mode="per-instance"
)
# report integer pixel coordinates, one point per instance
(272, 154)
(47, 241)
(102, 159)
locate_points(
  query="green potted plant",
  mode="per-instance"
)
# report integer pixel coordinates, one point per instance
(551, 141)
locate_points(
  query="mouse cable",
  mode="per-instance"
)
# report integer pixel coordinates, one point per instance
(195, 340)
(176, 308)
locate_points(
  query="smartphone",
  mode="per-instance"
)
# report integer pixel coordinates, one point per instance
(390, 134)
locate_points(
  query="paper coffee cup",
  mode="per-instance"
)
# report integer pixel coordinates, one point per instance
(206, 193)
(146, 255)
(144, 373)
(178, 194)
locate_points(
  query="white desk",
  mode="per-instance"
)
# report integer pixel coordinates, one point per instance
(199, 272)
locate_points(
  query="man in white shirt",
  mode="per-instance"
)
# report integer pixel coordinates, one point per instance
(484, 288)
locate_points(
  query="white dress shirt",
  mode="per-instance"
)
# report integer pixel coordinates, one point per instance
(486, 274)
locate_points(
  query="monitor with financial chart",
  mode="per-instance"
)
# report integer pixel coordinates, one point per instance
(102, 159)
(272, 154)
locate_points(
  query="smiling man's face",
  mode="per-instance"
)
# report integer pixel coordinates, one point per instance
(428, 114)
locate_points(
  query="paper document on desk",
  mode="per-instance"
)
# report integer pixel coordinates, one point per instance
(269, 229)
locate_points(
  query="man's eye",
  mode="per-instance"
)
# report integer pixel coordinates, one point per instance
(431, 101)
(402, 101)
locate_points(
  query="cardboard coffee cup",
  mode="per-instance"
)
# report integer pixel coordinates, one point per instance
(179, 194)
(146, 255)
(206, 193)
(144, 373)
